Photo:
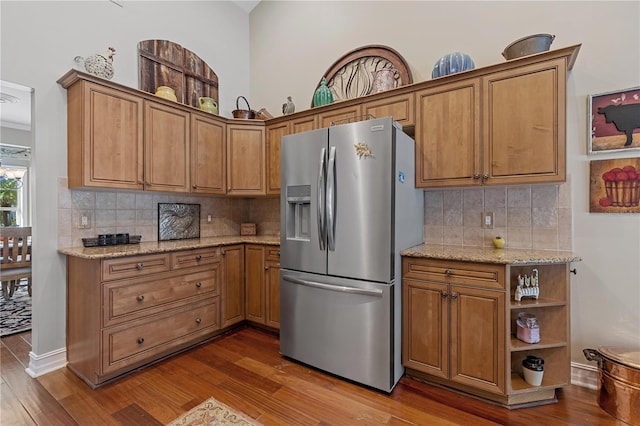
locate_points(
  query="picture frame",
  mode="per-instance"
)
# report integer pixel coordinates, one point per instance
(178, 221)
(614, 185)
(614, 121)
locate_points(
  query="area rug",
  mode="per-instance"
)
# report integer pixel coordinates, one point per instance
(213, 412)
(15, 313)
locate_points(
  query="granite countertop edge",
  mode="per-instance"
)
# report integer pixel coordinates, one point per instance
(490, 255)
(106, 252)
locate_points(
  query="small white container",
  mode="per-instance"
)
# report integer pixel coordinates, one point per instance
(534, 378)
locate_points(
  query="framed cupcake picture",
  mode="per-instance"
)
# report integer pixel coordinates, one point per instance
(615, 186)
(614, 121)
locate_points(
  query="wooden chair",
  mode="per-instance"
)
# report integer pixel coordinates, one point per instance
(15, 259)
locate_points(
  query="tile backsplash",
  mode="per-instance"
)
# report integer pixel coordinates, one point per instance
(136, 213)
(526, 216)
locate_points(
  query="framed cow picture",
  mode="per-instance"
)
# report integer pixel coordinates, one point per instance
(614, 121)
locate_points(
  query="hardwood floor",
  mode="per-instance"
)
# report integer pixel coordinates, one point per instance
(244, 370)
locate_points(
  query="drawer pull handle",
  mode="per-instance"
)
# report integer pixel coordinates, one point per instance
(454, 295)
(198, 320)
(140, 340)
(198, 258)
(140, 298)
(198, 284)
(140, 266)
(447, 272)
(266, 268)
(444, 293)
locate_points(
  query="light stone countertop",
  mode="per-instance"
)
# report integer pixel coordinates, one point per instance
(106, 252)
(490, 255)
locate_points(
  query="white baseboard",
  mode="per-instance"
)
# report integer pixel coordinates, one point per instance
(46, 363)
(584, 375)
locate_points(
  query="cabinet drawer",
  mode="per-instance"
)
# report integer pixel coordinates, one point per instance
(193, 258)
(465, 273)
(129, 267)
(272, 253)
(144, 340)
(135, 298)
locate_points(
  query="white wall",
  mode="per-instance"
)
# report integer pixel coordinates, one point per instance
(294, 43)
(38, 43)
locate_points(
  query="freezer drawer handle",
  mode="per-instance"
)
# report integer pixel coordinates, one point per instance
(342, 289)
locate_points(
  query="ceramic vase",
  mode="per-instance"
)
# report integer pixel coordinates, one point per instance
(208, 105)
(451, 64)
(498, 242)
(323, 95)
(166, 92)
(383, 80)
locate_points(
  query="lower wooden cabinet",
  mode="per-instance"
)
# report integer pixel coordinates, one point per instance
(126, 312)
(263, 285)
(232, 285)
(459, 327)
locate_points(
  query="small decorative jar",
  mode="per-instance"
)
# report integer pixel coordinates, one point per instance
(323, 95)
(498, 242)
(208, 105)
(451, 64)
(533, 370)
(166, 92)
(383, 80)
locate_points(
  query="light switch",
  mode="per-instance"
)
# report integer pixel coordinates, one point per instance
(487, 220)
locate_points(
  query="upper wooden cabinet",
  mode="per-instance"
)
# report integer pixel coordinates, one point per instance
(339, 116)
(105, 137)
(400, 107)
(275, 132)
(208, 155)
(521, 111)
(246, 159)
(166, 148)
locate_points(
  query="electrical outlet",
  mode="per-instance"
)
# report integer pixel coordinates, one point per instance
(84, 220)
(487, 220)
(209, 218)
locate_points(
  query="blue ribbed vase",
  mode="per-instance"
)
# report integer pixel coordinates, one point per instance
(451, 64)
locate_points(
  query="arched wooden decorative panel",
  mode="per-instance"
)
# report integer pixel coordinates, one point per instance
(352, 75)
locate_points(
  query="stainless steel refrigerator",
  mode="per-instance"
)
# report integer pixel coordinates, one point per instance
(348, 206)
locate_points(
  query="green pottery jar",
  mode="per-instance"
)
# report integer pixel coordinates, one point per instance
(323, 95)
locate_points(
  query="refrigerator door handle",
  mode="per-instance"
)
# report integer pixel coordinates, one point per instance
(331, 191)
(322, 171)
(339, 288)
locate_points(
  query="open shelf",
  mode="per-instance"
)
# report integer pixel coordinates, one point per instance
(536, 303)
(556, 373)
(519, 345)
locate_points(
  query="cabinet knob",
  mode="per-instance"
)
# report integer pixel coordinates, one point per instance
(266, 268)
(140, 340)
(454, 295)
(444, 293)
(140, 266)
(447, 272)
(476, 176)
(140, 298)
(198, 320)
(198, 258)
(485, 176)
(222, 252)
(195, 186)
(198, 284)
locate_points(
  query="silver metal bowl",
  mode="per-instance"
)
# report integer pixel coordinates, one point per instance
(528, 46)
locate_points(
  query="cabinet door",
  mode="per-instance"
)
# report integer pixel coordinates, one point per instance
(478, 338)
(233, 285)
(272, 296)
(254, 285)
(400, 107)
(166, 148)
(447, 135)
(339, 116)
(304, 124)
(274, 133)
(105, 137)
(425, 333)
(245, 159)
(208, 155)
(524, 124)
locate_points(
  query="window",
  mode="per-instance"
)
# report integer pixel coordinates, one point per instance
(13, 190)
